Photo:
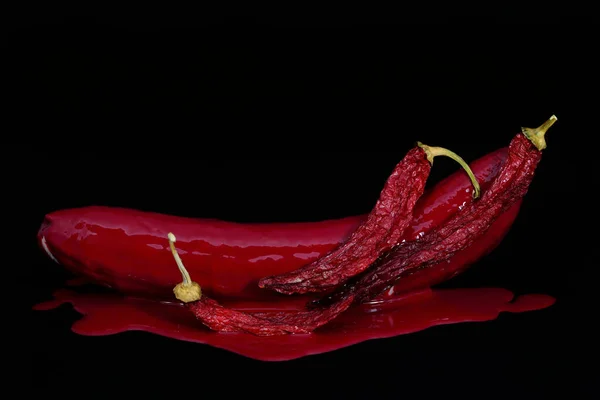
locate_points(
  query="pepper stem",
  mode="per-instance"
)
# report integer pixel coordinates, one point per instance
(186, 291)
(433, 152)
(536, 135)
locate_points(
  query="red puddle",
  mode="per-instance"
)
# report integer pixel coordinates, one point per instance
(106, 314)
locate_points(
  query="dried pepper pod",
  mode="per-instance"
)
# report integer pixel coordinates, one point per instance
(222, 319)
(381, 230)
(461, 230)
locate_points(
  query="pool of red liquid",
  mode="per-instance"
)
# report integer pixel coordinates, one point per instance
(111, 313)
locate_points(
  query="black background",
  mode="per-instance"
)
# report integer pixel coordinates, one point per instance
(238, 118)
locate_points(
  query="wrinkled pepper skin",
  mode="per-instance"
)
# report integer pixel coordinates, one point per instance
(275, 323)
(126, 249)
(381, 231)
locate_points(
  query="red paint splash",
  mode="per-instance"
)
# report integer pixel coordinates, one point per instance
(106, 314)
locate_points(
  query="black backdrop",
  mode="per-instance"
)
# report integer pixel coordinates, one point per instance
(248, 125)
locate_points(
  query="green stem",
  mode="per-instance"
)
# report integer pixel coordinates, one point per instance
(536, 135)
(433, 152)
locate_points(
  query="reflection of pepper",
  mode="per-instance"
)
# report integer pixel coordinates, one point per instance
(461, 230)
(382, 229)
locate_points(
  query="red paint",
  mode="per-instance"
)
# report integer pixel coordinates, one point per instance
(106, 314)
(128, 249)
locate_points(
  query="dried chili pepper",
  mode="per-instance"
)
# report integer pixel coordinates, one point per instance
(222, 319)
(382, 229)
(461, 230)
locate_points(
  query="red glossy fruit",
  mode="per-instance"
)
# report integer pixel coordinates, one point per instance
(128, 249)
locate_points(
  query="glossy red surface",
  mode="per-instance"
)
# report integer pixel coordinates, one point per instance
(106, 314)
(128, 250)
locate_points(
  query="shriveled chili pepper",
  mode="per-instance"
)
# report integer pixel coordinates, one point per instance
(222, 319)
(382, 229)
(461, 230)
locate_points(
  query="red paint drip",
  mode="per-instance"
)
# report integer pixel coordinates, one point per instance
(106, 314)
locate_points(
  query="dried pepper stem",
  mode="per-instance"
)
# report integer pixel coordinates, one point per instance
(433, 152)
(186, 291)
(536, 135)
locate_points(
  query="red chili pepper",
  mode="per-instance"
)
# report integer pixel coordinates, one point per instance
(222, 319)
(460, 231)
(382, 229)
(124, 248)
